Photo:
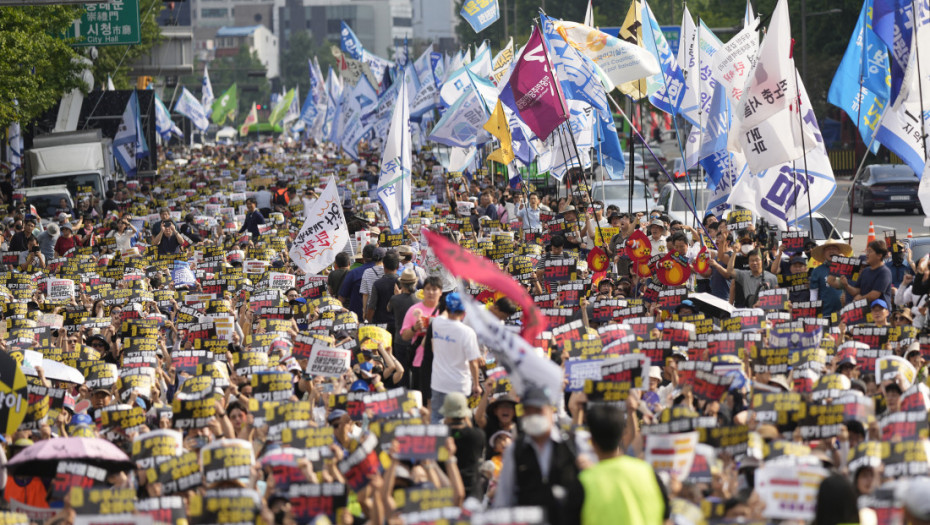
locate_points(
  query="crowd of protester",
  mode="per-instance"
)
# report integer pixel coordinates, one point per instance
(764, 377)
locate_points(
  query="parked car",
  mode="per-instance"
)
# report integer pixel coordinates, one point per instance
(653, 166)
(886, 186)
(677, 209)
(617, 192)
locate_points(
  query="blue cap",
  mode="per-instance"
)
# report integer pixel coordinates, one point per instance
(141, 402)
(879, 302)
(359, 386)
(367, 366)
(454, 303)
(81, 419)
(336, 414)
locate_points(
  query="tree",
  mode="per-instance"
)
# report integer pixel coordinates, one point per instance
(116, 61)
(243, 69)
(38, 65)
(294, 60)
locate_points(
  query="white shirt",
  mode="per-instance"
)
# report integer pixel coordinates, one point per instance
(454, 345)
(263, 199)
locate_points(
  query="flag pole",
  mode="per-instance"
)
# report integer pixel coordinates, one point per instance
(664, 170)
(807, 184)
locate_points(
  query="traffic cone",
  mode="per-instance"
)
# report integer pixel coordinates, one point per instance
(871, 233)
(910, 233)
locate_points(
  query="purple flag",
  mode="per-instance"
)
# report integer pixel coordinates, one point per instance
(533, 92)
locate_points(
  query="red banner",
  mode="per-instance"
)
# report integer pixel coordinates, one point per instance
(462, 263)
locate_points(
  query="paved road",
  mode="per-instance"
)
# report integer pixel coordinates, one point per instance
(838, 212)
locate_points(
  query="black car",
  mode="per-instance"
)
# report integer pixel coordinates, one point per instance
(886, 186)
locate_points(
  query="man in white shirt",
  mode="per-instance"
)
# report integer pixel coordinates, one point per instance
(455, 356)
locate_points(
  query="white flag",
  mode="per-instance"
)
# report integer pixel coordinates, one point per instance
(771, 86)
(589, 15)
(191, 108)
(781, 193)
(324, 233)
(901, 129)
(394, 185)
(206, 96)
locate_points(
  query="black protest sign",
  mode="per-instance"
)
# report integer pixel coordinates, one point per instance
(103, 500)
(421, 442)
(847, 267)
(793, 241)
(309, 500)
(272, 385)
(164, 509)
(156, 447)
(230, 506)
(362, 463)
(226, 460)
(178, 474)
(783, 409)
(73, 474)
(394, 403)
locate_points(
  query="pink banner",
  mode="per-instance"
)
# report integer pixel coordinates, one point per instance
(462, 263)
(533, 92)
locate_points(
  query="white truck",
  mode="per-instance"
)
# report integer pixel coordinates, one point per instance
(81, 160)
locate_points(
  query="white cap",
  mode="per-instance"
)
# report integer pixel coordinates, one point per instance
(655, 372)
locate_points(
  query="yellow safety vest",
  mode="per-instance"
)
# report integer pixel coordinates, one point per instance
(623, 488)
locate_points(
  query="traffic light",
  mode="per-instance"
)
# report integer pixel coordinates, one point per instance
(258, 107)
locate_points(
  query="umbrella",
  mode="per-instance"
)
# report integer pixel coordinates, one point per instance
(41, 459)
(56, 371)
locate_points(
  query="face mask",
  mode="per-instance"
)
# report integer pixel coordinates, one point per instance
(746, 248)
(535, 425)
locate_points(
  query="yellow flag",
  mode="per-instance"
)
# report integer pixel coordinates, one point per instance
(632, 31)
(497, 126)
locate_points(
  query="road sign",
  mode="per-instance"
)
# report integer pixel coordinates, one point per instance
(111, 24)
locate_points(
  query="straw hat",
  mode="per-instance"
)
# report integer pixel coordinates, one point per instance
(845, 249)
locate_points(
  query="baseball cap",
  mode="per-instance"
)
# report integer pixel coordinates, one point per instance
(879, 302)
(798, 260)
(535, 397)
(454, 303)
(336, 415)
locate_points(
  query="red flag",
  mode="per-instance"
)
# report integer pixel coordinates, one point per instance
(533, 92)
(461, 262)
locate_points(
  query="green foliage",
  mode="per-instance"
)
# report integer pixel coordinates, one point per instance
(37, 66)
(116, 61)
(294, 65)
(236, 69)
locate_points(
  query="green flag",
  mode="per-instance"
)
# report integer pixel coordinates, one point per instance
(225, 106)
(281, 108)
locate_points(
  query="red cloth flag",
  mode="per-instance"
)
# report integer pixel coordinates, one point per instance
(462, 263)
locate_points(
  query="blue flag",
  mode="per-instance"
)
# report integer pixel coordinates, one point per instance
(670, 81)
(129, 143)
(480, 13)
(716, 128)
(892, 22)
(849, 90)
(350, 43)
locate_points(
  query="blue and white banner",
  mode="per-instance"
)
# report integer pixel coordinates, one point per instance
(190, 107)
(480, 13)
(394, 179)
(893, 23)
(163, 123)
(461, 123)
(668, 86)
(350, 43)
(206, 96)
(439, 68)
(781, 194)
(903, 126)
(849, 90)
(723, 170)
(129, 143)
(182, 275)
(460, 82)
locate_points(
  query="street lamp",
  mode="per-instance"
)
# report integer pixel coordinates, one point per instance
(804, 15)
